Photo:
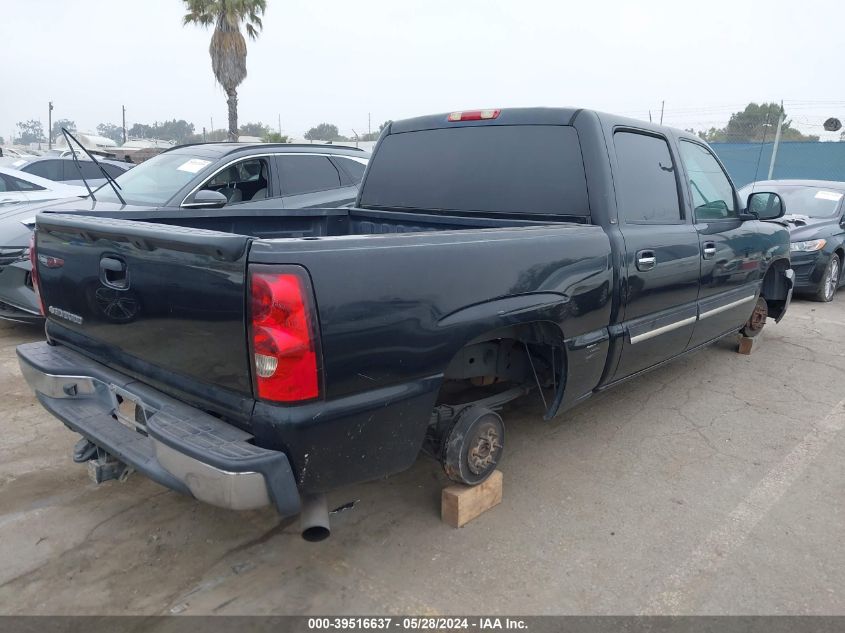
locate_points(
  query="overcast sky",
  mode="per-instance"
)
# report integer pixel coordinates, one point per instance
(337, 60)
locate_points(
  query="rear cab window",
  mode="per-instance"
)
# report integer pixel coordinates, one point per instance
(513, 169)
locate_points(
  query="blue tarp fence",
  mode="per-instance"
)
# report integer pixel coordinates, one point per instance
(747, 162)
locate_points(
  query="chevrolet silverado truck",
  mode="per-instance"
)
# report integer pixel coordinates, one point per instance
(249, 360)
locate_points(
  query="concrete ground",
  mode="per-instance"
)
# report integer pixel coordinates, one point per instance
(715, 485)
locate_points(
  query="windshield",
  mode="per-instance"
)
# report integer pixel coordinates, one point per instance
(814, 202)
(156, 180)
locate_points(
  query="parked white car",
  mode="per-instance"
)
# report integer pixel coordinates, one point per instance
(17, 187)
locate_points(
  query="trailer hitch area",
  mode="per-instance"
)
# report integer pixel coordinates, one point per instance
(101, 465)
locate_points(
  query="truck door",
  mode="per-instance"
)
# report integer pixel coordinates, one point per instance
(731, 257)
(662, 261)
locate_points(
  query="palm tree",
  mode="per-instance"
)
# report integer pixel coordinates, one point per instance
(228, 46)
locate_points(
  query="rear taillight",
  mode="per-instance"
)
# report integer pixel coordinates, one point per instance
(36, 285)
(474, 115)
(283, 334)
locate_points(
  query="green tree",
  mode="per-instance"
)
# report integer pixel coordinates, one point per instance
(275, 137)
(755, 124)
(112, 131)
(325, 132)
(254, 129)
(30, 132)
(373, 136)
(228, 46)
(216, 136)
(63, 123)
(141, 130)
(174, 130)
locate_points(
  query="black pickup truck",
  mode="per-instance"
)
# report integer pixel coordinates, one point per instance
(491, 254)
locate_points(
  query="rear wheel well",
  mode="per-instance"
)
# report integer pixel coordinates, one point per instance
(528, 353)
(484, 375)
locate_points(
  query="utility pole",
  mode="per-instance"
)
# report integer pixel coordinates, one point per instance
(777, 142)
(369, 126)
(203, 134)
(649, 116)
(50, 126)
(662, 105)
(280, 125)
(124, 124)
(211, 131)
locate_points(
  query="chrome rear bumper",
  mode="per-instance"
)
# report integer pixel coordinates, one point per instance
(174, 444)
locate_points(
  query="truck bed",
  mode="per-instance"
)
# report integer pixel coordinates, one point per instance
(325, 222)
(396, 296)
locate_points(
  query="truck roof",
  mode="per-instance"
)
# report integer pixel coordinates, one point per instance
(522, 116)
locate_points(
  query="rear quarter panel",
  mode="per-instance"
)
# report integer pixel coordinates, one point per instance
(397, 307)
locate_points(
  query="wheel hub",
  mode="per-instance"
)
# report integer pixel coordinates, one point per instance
(759, 316)
(484, 450)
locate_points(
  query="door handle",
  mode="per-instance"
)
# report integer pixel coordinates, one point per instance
(113, 273)
(709, 250)
(646, 260)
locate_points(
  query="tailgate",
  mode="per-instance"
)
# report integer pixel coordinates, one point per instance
(164, 303)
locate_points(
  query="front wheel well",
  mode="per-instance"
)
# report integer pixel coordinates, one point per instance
(775, 288)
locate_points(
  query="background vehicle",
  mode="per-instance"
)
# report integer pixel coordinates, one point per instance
(491, 254)
(14, 154)
(17, 187)
(67, 171)
(246, 175)
(816, 223)
(248, 179)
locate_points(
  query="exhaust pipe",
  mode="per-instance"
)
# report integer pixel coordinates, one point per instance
(314, 518)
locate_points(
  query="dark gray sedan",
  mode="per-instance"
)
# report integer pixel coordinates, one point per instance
(816, 223)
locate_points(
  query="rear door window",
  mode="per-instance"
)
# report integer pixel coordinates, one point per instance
(306, 174)
(486, 168)
(646, 182)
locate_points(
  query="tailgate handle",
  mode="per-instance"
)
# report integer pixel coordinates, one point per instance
(113, 273)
